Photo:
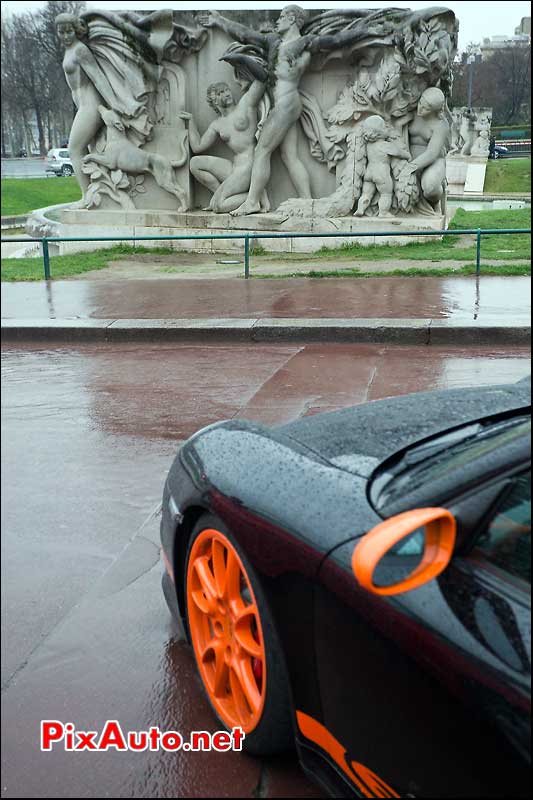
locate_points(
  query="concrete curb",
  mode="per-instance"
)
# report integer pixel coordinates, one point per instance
(391, 331)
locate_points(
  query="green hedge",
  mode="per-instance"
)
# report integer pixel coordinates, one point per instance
(510, 131)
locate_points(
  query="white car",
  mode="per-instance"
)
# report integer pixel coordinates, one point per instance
(59, 163)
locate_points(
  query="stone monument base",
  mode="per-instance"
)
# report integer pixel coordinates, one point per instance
(79, 222)
(466, 174)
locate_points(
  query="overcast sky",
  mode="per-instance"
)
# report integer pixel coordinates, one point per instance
(478, 19)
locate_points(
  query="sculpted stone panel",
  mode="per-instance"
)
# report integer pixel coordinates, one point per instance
(338, 113)
(128, 93)
(471, 131)
(236, 125)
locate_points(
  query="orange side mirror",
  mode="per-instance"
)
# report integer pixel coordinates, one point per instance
(440, 529)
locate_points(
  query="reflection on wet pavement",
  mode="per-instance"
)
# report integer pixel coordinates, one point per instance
(88, 436)
(489, 299)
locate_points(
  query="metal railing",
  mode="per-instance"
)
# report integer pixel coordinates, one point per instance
(248, 237)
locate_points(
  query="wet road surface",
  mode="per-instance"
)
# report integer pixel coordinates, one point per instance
(88, 435)
(490, 300)
(25, 168)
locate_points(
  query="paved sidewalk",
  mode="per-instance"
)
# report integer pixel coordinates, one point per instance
(489, 310)
(492, 300)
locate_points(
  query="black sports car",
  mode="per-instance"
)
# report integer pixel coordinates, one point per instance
(358, 582)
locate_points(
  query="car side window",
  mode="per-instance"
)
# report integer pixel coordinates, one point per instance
(506, 540)
(63, 154)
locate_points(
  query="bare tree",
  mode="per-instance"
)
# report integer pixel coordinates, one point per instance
(501, 82)
(33, 84)
(25, 71)
(509, 76)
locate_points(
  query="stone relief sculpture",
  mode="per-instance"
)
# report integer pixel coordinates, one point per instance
(456, 141)
(380, 148)
(114, 61)
(482, 127)
(236, 125)
(470, 132)
(121, 154)
(250, 63)
(290, 53)
(470, 135)
(390, 83)
(429, 135)
(378, 138)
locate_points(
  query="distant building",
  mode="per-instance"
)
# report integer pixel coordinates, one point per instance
(524, 27)
(521, 38)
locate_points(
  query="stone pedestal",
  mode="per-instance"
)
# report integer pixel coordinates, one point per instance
(79, 222)
(466, 174)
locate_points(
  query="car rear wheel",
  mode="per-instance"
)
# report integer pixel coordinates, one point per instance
(235, 643)
(66, 171)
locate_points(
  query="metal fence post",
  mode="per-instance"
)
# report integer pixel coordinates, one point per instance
(246, 256)
(46, 260)
(478, 252)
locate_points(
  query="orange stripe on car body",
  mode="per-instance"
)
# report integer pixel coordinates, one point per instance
(368, 783)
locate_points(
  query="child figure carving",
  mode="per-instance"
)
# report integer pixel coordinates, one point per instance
(380, 148)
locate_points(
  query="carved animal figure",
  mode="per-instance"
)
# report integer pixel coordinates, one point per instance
(122, 154)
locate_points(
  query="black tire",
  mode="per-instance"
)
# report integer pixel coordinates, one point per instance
(67, 171)
(274, 732)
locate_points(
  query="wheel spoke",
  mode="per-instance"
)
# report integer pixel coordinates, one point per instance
(242, 669)
(239, 701)
(207, 583)
(212, 657)
(201, 601)
(244, 631)
(221, 676)
(233, 579)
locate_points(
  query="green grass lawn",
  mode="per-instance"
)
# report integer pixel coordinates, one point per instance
(411, 272)
(22, 195)
(31, 269)
(504, 248)
(508, 175)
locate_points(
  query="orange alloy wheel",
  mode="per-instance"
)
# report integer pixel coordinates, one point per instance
(226, 630)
